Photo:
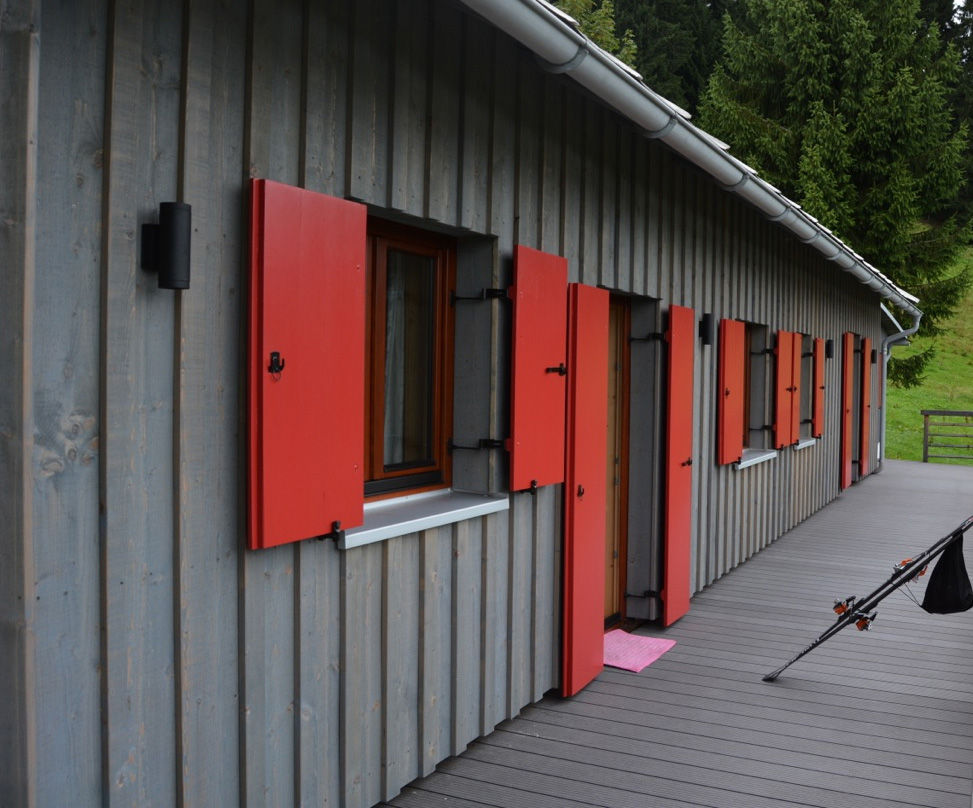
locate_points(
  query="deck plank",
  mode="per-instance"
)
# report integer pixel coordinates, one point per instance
(883, 718)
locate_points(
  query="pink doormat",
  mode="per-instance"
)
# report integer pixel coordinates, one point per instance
(632, 652)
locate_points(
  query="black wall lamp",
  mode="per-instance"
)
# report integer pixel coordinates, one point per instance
(829, 349)
(165, 246)
(707, 329)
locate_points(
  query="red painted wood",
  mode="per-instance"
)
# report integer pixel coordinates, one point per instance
(847, 393)
(306, 423)
(585, 493)
(864, 452)
(797, 349)
(783, 388)
(677, 534)
(731, 391)
(536, 442)
(817, 427)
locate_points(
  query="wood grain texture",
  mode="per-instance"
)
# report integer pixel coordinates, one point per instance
(66, 358)
(19, 89)
(142, 162)
(208, 524)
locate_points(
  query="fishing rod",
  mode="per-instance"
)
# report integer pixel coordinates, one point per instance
(860, 611)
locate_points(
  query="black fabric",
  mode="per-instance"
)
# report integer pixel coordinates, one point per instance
(949, 588)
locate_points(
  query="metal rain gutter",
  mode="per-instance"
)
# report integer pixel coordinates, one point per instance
(552, 36)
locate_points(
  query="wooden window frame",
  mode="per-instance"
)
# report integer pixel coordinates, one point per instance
(381, 482)
(806, 375)
(759, 381)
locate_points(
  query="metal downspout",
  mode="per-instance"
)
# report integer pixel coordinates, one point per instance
(887, 345)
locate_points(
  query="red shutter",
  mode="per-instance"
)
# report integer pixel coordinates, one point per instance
(731, 391)
(783, 374)
(306, 420)
(864, 450)
(817, 428)
(681, 337)
(797, 351)
(585, 488)
(847, 393)
(538, 369)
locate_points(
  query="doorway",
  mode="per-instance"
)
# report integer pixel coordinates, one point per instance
(616, 512)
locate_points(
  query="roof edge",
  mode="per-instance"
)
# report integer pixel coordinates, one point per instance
(554, 39)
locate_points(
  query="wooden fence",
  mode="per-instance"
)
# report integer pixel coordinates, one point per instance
(948, 431)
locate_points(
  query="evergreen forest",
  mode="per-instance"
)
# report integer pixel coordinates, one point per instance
(856, 109)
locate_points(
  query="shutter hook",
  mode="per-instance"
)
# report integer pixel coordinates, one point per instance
(276, 365)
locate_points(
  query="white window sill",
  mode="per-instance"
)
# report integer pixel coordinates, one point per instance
(751, 457)
(804, 443)
(389, 518)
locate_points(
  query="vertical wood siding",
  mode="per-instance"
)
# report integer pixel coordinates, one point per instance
(19, 152)
(171, 666)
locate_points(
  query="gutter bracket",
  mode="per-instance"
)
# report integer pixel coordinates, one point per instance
(665, 130)
(569, 65)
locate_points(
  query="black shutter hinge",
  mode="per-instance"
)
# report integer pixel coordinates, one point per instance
(484, 294)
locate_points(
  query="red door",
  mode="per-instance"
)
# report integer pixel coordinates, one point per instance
(585, 487)
(681, 339)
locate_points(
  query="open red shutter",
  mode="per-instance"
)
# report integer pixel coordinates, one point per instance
(797, 349)
(866, 412)
(817, 427)
(731, 391)
(538, 371)
(783, 374)
(306, 364)
(681, 338)
(585, 488)
(847, 393)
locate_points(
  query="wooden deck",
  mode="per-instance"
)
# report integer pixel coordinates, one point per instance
(870, 720)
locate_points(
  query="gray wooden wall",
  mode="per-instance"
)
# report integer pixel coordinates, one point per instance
(149, 659)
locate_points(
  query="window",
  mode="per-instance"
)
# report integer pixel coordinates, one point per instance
(408, 359)
(758, 390)
(746, 392)
(807, 386)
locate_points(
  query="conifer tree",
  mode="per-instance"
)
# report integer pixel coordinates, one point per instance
(844, 105)
(597, 21)
(677, 41)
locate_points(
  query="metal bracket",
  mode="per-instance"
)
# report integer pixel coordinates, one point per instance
(485, 294)
(336, 532)
(560, 370)
(482, 443)
(654, 337)
(648, 593)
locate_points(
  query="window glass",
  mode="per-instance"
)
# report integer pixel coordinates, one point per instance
(408, 348)
(409, 360)
(807, 385)
(759, 387)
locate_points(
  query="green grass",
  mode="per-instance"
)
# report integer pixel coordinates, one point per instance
(948, 384)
